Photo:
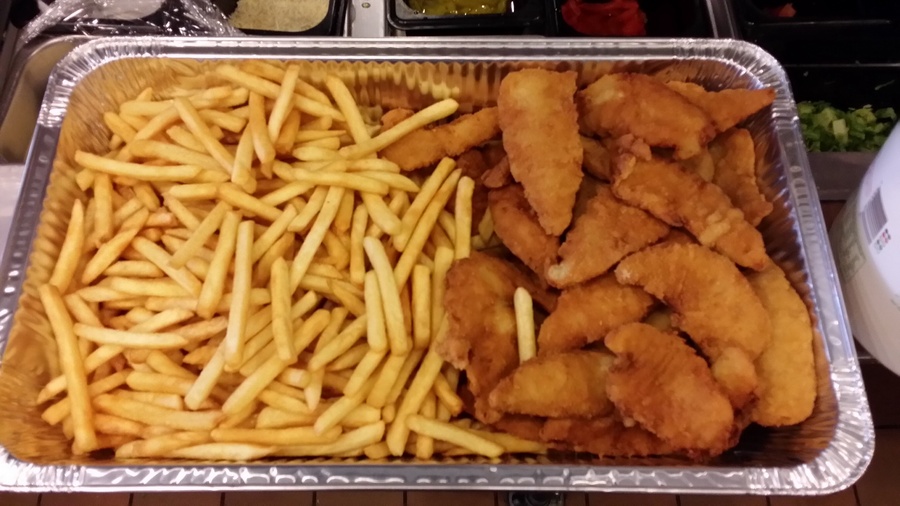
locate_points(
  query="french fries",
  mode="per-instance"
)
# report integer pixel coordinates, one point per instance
(244, 277)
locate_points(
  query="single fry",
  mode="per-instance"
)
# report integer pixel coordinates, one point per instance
(525, 324)
(428, 191)
(430, 114)
(463, 210)
(130, 339)
(70, 252)
(282, 324)
(240, 304)
(283, 103)
(214, 284)
(390, 297)
(348, 108)
(452, 434)
(262, 142)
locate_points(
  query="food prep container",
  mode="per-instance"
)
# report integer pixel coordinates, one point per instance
(665, 18)
(522, 17)
(824, 31)
(826, 453)
(331, 24)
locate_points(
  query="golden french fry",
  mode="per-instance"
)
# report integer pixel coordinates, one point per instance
(270, 90)
(169, 401)
(282, 324)
(288, 135)
(353, 440)
(146, 287)
(426, 194)
(161, 446)
(350, 180)
(214, 285)
(201, 131)
(240, 302)
(419, 388)
(150, 414)
(452, 434)
(70, 252)
(161, 259)
(357, 252)
(430, 114)
(103, 225)
(424, 443)
(463, 210)
(372, 165)
(237, 452)
(201, 235)
(363, 372)
(184, 215)
(409, 366)
(262, 142)
(138, 171)
(376, 333)
(421, 306)
(130, 339)
(525, 324)
(284, 101)
(279, 437)
(390, 297)
(196, 191)
(236, 197)
(241, 172)
(344, 100)
(381, 214)
(393, 180)
(386, 379)
(316, 235)
(62, 409)
(423, 229)
(153, 150)
(72, 365)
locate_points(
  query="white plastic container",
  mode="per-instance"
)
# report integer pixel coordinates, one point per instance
(865, 239)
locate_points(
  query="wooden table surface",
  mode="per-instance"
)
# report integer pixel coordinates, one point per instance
(878, 487)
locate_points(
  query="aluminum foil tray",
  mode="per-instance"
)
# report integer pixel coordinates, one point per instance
(826, 453)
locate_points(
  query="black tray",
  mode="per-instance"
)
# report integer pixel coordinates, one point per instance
(332, 24)
(665, 18)
(825, 31)
(524, 17)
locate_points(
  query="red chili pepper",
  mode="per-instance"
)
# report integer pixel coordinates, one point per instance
(617, 18)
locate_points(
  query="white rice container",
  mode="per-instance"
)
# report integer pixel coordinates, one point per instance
(865, 239)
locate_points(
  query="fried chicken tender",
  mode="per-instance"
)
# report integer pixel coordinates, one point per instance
(390, 118)
(426, 147)
(787, 373)
(525, 427)
(516, 224)
(735, 373)
(711, 299)
(620, 104)
(679, 198)
(540, 135)
(735, 173)
(703, 165)
(586, 313)
(606, 232)
(660, 382)
(498, 176)
(606, 436)
(481, 338)
(727, 108)
(570, 384)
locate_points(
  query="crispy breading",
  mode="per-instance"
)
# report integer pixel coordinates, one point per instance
(597, 160)
(787, 374)
(606, 436)
(525, 427)
(516, 224)
(674, 195)
(570, 384)
(620, 104)
(481, 338)
(660, 382)
(498, 176)
(711, 299)
(586, 313)
(702, 164)
(735, 173)
(426, 147)
(727, 108)
(393, 116)
(540, 135)
(606, 232)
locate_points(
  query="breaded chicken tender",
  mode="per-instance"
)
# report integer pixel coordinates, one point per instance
(660, 382)
(727, 108)
(606, 436)
(711, 299)
(540, 135)
(787, 374)
(567, 384)
(620, 104)
(481, 338)
(735, 373)
(586, 313)
(669, 192)
(606, 232)
(597, 160)
(735, 173)
(426, 147)
(516, 224)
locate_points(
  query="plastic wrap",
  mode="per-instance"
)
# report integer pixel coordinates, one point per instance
(129, 17)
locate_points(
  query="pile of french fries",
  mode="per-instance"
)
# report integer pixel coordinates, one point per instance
(245, 278)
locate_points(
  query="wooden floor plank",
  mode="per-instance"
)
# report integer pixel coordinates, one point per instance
(177, 499)
(268, 499)
(345, 498)
(447, 498)
(11, 499)
(722, 500)
(85, 499)
(880, 484)
(845, 498)
(617, 499)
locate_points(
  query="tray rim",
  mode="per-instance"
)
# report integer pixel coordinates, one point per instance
(854, 426)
